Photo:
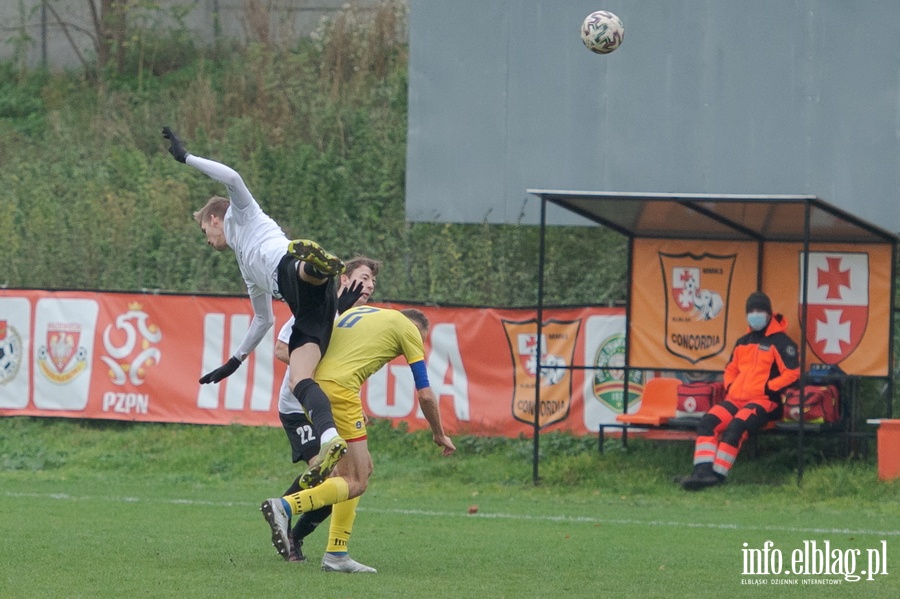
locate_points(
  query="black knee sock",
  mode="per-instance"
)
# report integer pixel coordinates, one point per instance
(308, 522)
(316, 405)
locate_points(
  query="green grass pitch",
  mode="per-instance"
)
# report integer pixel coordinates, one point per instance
(116, 510)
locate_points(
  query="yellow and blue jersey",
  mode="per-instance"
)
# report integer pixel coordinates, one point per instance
(363, 340)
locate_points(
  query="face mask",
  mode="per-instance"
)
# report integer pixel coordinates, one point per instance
(757, 320)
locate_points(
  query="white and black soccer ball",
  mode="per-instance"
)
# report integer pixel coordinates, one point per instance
(602, 32)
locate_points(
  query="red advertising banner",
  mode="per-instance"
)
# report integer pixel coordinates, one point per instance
(138, 357)
(688, 299)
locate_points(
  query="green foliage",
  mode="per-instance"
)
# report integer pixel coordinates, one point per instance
(22, 106)
(318, 131)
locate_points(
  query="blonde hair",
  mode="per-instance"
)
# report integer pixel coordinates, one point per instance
(216, 205)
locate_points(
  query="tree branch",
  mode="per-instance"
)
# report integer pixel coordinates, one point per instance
(65, 29)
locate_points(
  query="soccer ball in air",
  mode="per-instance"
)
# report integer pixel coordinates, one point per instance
(602, 32)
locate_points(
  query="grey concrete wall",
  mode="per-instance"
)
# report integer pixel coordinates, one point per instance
(703, 96)
(21, 19)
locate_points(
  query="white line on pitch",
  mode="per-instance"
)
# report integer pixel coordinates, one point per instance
(433, 514)
(635, 522)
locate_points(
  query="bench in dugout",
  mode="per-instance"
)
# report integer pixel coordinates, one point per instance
(658, 418)
(659, 404)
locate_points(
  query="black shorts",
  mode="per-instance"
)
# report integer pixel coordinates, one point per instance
(313, 306)
(302, 436)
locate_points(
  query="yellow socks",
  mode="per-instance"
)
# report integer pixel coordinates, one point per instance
(333, 490)
(342, 516)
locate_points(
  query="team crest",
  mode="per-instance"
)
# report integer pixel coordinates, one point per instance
(130, 346)
(837, 288)
(10, 352)
(697, 289)
(609, 375)
(557, 346)
(62, 358)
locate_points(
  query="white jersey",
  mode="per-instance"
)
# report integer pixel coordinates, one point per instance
(287, 403)
(258, 242)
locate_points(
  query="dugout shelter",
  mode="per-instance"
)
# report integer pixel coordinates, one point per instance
(694, 258)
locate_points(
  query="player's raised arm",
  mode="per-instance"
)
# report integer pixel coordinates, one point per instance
(237, 190)
(263, 319)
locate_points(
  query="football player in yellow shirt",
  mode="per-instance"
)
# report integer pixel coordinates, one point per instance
(364, 339)
(361, 274)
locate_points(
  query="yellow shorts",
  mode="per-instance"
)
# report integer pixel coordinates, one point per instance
(346, 406)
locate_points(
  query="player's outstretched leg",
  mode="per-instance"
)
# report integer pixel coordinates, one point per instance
(344, 563)
(296, 554)
(280, 523)
(329, 455)
(323, 261)
(306, 524)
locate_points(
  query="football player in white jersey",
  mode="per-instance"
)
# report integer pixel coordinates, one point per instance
(299, 272)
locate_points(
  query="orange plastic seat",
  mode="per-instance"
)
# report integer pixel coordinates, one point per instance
(658, 404)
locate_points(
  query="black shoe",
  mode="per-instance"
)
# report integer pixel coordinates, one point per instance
(296, 554)
(699, 471)
(698, 482)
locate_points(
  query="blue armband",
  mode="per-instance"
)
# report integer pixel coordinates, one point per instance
(420, 374)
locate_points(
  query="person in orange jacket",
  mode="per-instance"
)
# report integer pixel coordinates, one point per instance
(763, 363)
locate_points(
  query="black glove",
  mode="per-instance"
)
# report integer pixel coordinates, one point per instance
(349, 296)
(176, 149)
(221, 372)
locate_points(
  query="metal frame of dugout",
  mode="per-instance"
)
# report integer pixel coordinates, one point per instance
(760, 230)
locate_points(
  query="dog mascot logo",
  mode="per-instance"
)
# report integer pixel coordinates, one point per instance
(557, 346)
(697, 289)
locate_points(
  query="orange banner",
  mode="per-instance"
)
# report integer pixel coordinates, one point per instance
(557, 347)
(137, 357)
(848, 309)
(688, 301)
